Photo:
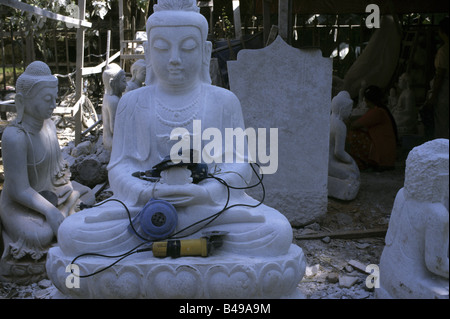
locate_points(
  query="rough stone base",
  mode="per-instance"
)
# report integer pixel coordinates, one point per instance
(144, 276)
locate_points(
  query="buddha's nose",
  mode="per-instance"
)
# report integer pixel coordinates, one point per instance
(175, 57)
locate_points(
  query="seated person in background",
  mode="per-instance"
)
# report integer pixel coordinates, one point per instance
(372, 139)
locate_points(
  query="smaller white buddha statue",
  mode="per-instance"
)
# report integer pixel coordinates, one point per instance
(343, 173)
(115, 84)
(405, 112)
(37, 193)
(414, 263)
(138, 72)
(361, 108)
(392, 99)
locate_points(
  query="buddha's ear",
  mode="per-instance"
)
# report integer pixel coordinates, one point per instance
(206, 62)
(208, 50)
(20, 106)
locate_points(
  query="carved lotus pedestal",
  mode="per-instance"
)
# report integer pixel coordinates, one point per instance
(144, 276)
(22, 272)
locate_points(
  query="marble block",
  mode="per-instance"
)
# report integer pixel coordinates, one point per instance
(219, 276)
(289, 89)
(414, 263)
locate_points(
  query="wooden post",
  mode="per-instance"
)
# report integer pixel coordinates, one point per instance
(267, 25)
(66, 42)
(55, 45)
(121, 35)
(79, 74)
(237, 19)
(108, 44)
(285, 20)
(3, 57)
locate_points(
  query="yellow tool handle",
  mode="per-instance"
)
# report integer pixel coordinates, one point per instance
(178, 248)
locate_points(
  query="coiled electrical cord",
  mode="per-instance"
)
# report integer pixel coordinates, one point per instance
(147, 241)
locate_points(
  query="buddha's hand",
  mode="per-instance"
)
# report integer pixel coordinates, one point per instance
(54, 217)
(183, 195)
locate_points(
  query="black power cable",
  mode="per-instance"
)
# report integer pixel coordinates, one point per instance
(208, 221)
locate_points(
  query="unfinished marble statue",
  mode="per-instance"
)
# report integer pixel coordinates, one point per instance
(405, 112)
(343, 173)
(282, 95)
(37, 193)
(378, 61)
(361, 108)
(415, 262)
(257, 257)
(138, 72)
(115, 84)
(392, 99)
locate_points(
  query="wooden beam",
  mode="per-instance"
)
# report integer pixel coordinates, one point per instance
(45, 13)
(99, 68)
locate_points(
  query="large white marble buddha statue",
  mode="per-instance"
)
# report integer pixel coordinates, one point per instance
(179, 91)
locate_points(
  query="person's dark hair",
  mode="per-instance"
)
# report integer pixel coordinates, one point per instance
(375, 95)
(443, 25)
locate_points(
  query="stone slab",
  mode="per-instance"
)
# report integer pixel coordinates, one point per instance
(289, 89)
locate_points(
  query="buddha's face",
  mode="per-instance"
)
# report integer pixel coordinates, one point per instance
(176, 54)
(41, 101)
(140, 74)
(119, 83)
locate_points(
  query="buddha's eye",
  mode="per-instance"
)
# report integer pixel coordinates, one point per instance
(189, 44)
(160, 44)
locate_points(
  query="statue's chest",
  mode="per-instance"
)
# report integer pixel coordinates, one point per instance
(38, 148)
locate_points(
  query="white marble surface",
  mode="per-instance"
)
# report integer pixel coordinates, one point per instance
(289, 89)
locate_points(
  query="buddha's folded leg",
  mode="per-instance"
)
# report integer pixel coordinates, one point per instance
(261, 231)
(103, 229)
(27, 231)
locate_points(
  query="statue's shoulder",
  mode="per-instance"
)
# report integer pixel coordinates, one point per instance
(133, 99)
(223, 97)
(13, 134)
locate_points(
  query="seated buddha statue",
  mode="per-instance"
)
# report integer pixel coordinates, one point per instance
(178, 92)
(138, 70)
(343, 173)
(405, 111)
(115, 83)
(37, 193)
